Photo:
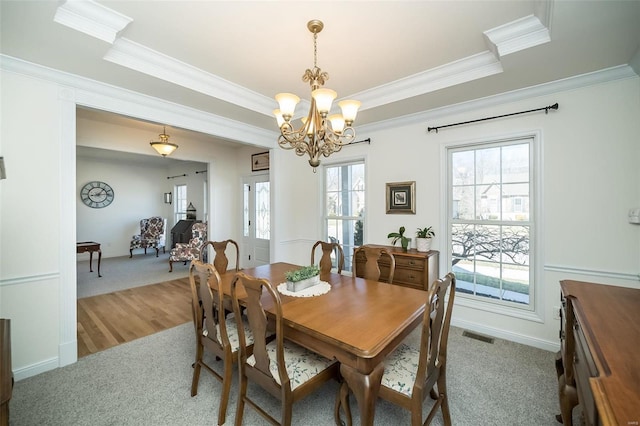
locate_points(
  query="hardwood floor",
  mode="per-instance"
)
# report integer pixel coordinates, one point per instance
(110, 319)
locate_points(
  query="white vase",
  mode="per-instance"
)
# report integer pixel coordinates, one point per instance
(423, 244)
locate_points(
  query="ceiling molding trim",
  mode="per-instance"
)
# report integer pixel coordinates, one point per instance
(114, 99)
(544, 12)
(517, 35)
(130, 54)
(620, 72)
(634, 62)
(471, 68)
(92, 18)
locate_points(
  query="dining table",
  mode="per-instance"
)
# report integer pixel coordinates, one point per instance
(358, 322)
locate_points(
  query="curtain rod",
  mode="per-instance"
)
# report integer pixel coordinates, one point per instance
(546, 111)
(367, 140)
(201, 171)
(173, 177)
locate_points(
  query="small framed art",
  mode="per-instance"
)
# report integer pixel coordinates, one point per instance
(260, 161)
(401, 197)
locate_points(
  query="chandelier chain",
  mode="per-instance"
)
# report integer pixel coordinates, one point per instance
(315, 50)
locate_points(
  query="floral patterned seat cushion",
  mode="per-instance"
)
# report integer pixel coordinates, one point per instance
(301, 364)
(400, 369)
(232, 333)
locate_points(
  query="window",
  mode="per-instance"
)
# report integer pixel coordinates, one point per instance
(490, 189)
(180, 202)
(344, 205)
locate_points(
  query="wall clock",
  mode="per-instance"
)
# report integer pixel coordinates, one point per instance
(96, 194)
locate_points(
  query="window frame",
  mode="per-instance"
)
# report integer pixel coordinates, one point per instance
(535, 310)
(348, 254)
(177, 214)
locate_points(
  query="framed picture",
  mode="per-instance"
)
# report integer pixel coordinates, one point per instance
(401, 197)
(260, 161)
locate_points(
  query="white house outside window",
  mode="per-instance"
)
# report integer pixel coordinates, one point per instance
(491, 224)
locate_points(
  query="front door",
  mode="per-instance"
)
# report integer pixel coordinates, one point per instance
(256, 227)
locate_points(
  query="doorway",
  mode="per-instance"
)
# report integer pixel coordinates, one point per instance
(256, 223)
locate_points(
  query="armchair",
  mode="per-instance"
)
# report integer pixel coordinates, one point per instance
(152, 235)
(186, 252)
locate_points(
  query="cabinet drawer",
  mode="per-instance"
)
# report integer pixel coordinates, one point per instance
(407, 263)
(584, 368)
(408, 276)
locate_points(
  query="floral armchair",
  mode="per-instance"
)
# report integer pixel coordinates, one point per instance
(185, 252)
(152, 235)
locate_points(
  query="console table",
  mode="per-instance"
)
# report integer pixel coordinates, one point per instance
(414, 268)
(598, 365)
(90, 246)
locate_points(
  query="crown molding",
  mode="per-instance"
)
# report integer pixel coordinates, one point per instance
(92, 18)
(620, 72)
(135, 56)
(110, 98)
(517, 35)
(471, 68)
(114, 99)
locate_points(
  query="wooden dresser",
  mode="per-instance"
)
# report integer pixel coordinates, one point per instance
(599, 361)
(6, 373)
(413, 268)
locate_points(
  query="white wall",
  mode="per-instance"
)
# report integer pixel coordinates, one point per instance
(590, 173)
(590, 178)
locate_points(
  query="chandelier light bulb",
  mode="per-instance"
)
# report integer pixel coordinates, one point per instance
(279, 117)
(324, 98)
(337, 123)
(349, 110)
(288, 102)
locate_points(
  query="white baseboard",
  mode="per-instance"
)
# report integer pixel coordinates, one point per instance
(68, 353)
(546, 345)
(35, 369)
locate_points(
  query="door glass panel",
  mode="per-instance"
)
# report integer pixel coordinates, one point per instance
(263, 219)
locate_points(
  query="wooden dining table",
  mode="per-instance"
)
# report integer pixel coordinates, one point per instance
(358, 323)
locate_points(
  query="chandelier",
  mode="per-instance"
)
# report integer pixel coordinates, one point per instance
(320, 133)
(163, 146)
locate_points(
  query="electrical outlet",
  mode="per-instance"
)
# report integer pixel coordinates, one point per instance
(556, 312)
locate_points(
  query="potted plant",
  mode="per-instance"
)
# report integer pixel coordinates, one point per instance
(423, 238)
(302, 278)
(404, 241)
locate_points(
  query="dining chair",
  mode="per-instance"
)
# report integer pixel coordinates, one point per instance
(410, 374)
(371, 270)
(326, 264)
(215, 333)
(220, 260)
(284, 369)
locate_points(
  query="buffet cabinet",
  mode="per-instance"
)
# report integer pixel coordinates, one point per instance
(598, 365)
(413, 268)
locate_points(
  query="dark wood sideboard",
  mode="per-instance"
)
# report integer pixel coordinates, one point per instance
(413, 268)
(598, 364)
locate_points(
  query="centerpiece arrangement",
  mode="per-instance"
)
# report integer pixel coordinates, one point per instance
(302, 278)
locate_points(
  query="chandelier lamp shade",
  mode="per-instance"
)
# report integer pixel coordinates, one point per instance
(319, 133)
(163, 146)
